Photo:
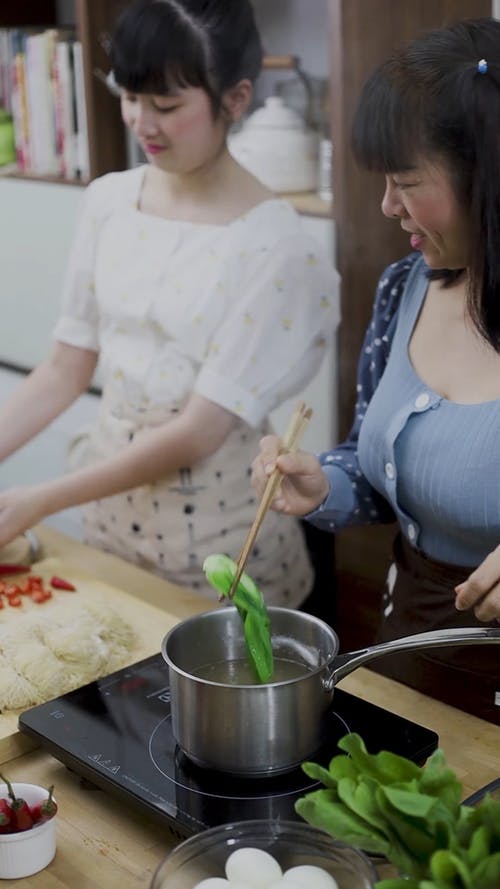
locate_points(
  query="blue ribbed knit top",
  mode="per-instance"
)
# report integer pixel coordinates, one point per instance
(432, 463)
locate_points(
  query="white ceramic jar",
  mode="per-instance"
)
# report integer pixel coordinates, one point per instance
(275, 145)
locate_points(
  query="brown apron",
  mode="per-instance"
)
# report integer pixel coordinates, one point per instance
(419, 596)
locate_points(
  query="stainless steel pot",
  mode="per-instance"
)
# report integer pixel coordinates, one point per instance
(257, 730)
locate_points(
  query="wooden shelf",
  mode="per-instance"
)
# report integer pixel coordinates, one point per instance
(309, 203)
(306, 203)
(92, 19)
(13, 173)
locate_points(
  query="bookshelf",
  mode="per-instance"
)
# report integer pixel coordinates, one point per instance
(91, 20)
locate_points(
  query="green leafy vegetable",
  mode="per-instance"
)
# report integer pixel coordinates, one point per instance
(220, 571)
(385, 804)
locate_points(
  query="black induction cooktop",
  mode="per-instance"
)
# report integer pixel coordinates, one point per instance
(116, 732)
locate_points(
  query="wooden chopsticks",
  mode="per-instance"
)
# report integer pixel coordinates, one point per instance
(293, 435)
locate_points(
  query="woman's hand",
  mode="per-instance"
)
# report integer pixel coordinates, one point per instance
(20, 509)
(481, 590)
(304, 485)
(195, 433)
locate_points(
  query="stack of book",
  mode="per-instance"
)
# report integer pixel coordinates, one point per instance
(41, 85)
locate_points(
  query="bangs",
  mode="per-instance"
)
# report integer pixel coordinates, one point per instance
(157, 59)
(387, 136)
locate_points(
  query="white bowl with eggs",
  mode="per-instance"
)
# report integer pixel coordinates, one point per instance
(264, 855)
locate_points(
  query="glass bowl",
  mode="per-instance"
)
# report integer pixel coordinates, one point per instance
(291, 843)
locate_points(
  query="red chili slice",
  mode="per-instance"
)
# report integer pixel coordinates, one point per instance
(40, 596)
(59, 583)
(14, 601)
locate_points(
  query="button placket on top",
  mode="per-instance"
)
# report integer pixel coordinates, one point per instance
(417, 404)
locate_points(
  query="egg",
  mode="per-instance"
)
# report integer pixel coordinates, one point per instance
(307, 876)
(286, 884)
(212, 883)
(254, 864)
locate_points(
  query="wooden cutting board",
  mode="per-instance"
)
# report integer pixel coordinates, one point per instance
(149, 622)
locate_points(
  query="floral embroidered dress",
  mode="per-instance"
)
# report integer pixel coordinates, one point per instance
(239, 313)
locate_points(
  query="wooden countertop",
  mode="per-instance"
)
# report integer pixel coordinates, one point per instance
(102, 842)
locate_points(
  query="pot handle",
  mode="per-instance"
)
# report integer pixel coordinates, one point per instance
(343, 664)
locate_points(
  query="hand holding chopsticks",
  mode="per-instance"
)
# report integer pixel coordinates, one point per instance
(291, 440)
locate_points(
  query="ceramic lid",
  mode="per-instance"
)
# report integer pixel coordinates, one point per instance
(276, 114)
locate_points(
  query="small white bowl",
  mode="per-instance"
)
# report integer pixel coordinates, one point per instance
(29, 851)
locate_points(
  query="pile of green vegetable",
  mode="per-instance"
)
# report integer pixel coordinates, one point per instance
(387, 805)
(220, 572)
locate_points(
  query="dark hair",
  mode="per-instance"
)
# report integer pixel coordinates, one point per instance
(430, 100)
(158, 45)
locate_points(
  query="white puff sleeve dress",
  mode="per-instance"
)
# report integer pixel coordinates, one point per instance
(240, 313)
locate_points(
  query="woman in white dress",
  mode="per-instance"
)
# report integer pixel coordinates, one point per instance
(205, 304)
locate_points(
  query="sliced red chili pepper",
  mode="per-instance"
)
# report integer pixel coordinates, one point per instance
(14, 601)
(21, 814)
(59, 583)
(36, 595)
(11, 589)
(8, 568)
(45, 810)
(40, 596)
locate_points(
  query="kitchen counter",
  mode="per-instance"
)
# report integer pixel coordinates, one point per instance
(104, 844)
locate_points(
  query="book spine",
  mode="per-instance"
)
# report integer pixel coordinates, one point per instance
(83, 163)
(40, 101)
(6, 60)
(44, 46)
(64, 104)
(32, 103)
(53, 154)
(19, 101)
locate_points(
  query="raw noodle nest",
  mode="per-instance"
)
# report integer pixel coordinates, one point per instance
(44, 654)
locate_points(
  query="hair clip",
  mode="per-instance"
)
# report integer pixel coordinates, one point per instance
(108, 80)
(112, 84)
(482, 66)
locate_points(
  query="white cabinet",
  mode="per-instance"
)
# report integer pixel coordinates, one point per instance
(45, 457)
(38, 224)
(39, 221)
